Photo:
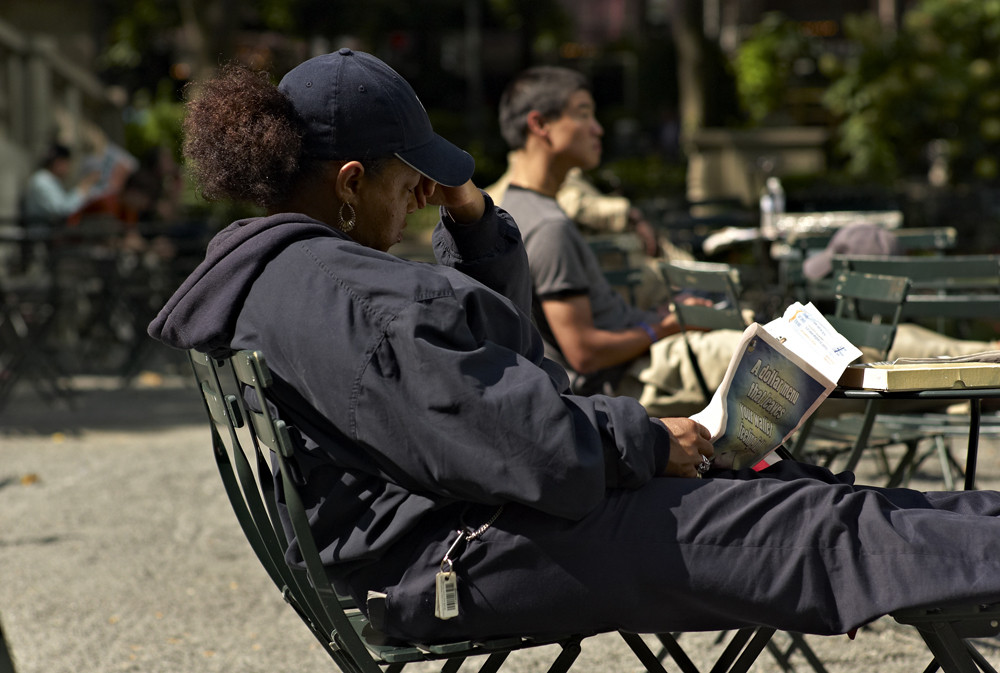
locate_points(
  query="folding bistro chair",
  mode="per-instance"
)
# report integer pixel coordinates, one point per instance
(867, 313)
(28, 308)
(947, 293)
(917, 241)
(955, 295)
(248, 443)
(718, 282)
(616, 255)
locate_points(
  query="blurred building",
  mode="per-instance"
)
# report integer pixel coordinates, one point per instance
(48, 90)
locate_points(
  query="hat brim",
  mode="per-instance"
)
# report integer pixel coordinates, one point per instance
(441, 161)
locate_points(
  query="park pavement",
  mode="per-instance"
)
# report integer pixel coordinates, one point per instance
(118, 551)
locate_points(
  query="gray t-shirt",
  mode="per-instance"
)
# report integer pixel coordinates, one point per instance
(562, 265)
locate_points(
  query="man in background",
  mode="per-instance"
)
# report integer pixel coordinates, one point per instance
(547, 117)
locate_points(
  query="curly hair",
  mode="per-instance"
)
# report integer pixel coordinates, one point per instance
(243, 138)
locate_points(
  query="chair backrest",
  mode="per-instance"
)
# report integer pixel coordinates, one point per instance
(253, 448)
(243, 454)
(617, 255)
(932, 240)
(952, 291)
(917, 241)
(717, 282)
(929, 240)
(869, 307)
(867, 311)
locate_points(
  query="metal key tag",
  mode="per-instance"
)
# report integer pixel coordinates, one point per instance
(446, 595)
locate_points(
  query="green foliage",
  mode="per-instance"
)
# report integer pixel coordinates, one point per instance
(764, 64)
(154, 121)
(938, 79)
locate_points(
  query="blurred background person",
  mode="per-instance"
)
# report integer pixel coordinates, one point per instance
(48, 198)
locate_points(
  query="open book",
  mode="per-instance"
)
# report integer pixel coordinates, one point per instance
(780, 373)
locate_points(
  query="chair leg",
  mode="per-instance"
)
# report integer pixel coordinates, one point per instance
(862, 440)
(673, 648)
(566, 658)
(949, 466)
(799, 643)
(905, 468)
(743, 650)
(950, 652)
(799, 447)
(649, 660)
(494, 662)
(6, 660)
(980, 660)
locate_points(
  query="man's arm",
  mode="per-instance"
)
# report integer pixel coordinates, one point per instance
(588, 349)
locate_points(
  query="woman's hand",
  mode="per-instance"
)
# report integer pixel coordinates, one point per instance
(689, 442)
(464, 203)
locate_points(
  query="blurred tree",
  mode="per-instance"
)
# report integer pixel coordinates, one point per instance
(155, 47)
(765, 64)
(925, 99)
(686, 28)
(704, 83)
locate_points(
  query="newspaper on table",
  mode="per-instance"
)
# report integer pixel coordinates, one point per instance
(780, 373)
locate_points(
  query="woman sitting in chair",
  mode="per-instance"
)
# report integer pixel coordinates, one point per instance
(424, 406)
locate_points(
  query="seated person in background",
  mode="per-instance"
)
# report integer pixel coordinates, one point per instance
(597, 213)
(547, 118)
(47, 198)
(912, 341)
(421, 404)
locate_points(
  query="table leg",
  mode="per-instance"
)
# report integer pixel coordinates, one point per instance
(975, 416)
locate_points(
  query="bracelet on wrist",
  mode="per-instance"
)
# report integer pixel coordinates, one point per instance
(649, 331)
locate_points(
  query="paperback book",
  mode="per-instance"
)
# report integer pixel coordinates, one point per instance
(981, 370)
(778, 376)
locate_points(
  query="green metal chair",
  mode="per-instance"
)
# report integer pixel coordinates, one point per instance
(248, 443)
(718, 282)
(617, 256)
(948, 631)
(867, 312)
(916, 242)
(721, 283)
(956, 295)
(946, 292)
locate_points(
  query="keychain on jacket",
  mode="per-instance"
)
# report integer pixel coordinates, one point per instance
(446, 581)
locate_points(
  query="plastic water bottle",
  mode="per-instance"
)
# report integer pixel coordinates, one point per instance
(772, 206)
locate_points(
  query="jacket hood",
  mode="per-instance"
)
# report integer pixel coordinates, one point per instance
(202, 313)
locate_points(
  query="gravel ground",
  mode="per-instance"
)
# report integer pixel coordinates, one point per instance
(118, 552)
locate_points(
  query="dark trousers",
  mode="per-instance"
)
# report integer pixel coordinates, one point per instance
(794, 547)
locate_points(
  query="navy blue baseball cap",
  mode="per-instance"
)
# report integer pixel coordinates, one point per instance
(355, 106)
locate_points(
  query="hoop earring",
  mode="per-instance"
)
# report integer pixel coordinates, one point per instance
(348, 225)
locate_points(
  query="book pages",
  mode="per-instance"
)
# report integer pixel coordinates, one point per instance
(774, 382)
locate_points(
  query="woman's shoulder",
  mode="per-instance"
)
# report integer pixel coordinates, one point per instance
(376, 276)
